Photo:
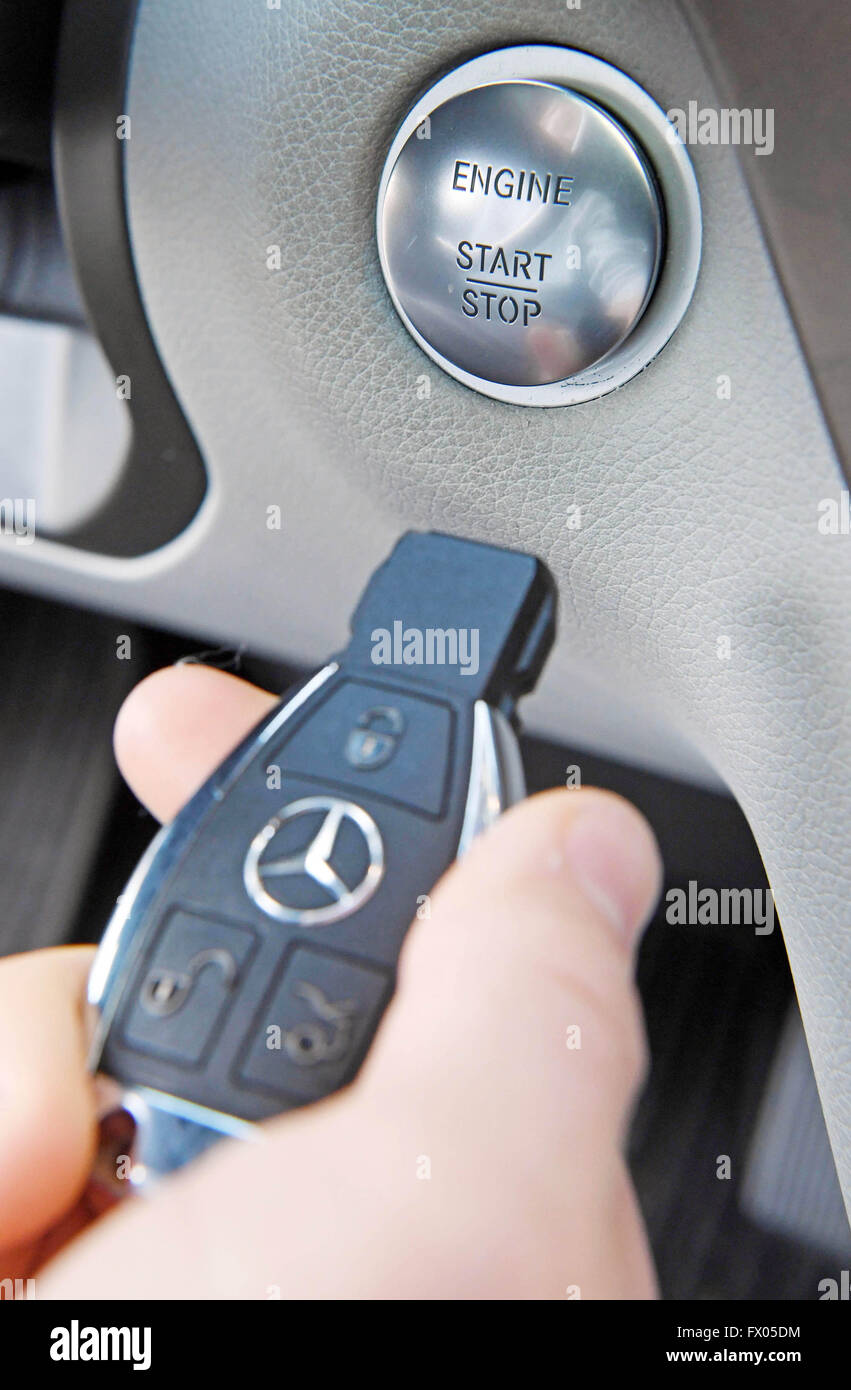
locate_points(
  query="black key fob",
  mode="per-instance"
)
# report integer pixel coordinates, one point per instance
(251, 957)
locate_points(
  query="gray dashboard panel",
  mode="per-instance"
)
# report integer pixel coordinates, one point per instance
(699, 514)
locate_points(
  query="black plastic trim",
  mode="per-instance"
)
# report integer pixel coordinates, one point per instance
(163, 480)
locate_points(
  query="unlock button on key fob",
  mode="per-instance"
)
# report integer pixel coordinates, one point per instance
(185, 986)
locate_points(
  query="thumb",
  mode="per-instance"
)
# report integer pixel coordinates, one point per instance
(515, 1035)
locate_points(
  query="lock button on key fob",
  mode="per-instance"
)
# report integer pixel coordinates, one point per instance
(378, 740)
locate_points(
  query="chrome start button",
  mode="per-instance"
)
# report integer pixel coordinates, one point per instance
(521, 233)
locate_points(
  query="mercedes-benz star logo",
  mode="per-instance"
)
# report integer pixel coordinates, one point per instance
(261, 875)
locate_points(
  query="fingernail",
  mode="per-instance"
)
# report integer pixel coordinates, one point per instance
(613, 856)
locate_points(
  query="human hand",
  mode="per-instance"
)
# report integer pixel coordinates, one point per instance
(474, 1078)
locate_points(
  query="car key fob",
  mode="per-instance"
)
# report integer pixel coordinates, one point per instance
(249, 961)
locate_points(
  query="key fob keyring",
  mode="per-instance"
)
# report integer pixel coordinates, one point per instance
(253, 952)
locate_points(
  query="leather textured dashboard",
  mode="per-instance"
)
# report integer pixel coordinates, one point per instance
(699, 513)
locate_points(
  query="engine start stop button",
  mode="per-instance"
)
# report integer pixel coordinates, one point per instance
(520, 232)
